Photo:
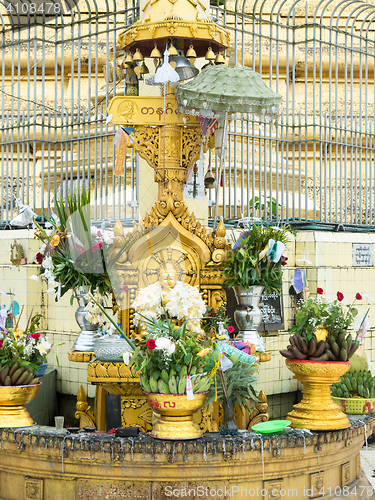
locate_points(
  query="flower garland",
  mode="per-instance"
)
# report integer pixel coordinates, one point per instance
(184, 303)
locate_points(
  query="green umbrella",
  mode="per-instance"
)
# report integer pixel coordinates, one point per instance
(219, 91)
(223, 89)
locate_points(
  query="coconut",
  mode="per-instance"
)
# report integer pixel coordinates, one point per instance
(358, 361)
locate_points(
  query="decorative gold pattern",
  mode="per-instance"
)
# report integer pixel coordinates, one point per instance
(80, 356)
(316, 483)
(317, 411)
(83, 411)
(176, 415)
(33, 489)
(345, 474)
(259, 414)
(273, 490)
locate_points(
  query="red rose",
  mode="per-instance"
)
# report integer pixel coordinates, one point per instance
(112, 431)
(151, 344)
(1, 343)
(319, 291)
(340, 296)
(39, 258)
(230, 329)
(358, 296)
(36, 335)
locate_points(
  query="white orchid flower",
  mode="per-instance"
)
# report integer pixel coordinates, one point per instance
(47, 262)
(36, 278)
(126, 357)
(43, 347)
(51, 291)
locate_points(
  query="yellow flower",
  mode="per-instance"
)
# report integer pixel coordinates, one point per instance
(55, 240)
(203, 352)
(321, 333)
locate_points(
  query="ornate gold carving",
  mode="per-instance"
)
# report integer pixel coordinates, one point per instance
(127, 110)
(358, 465)
(33, 489)
(316, 483)
(84, 413)
(151, 29)
(259, 414)
(80, 356)
(212, 30)
(345, 474)
(133, 33)
(218, 299)
(147, 144)
(171, 27)
(193, 29)
(191, 145)
(98, 371)
(273, 490)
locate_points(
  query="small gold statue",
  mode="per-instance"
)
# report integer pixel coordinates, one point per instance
(16, 254)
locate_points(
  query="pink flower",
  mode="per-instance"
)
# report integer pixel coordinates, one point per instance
(340, 296)
(319, 291)
(99, 233)
(99, 245)
(80, 249)
(36, 335)
(230, 329)
(125, 287)
(358, 296)
(93, 248)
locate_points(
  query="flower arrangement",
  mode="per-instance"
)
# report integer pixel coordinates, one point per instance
(184, 303)
(74, 253)
(171, 358)
(217, 322)
(256, 258)
(320, 330)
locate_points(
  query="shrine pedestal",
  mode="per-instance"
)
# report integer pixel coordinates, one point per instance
(40, 463)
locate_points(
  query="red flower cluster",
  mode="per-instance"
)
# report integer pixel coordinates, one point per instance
(36, 335)
(1, 343)
(358, 296)
(151, 344)
(319, 291)
(39, 258)
(340, 296)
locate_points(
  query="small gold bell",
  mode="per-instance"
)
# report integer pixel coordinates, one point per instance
(172, 50)
(129, 58)
(138, 57)
(144, 69)
(191, 52)
(209, 180)
(219, 59)
(155, 52)
(210, 56)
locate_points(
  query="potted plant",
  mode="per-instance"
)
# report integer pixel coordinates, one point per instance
(318, 353)
(175, 375)
(252, 265)
(76, 256)
(21, 353)
(235, 381)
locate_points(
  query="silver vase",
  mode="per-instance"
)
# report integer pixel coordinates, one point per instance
(88, 333)
(248, 316)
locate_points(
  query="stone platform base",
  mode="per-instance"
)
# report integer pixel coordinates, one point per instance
(38, 463)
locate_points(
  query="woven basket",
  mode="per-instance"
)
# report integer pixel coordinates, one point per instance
(356, 405)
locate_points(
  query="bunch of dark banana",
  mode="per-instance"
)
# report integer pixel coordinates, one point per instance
(300, 348)
(342, 347)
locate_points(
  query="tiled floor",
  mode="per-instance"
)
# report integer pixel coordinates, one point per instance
(368, 462)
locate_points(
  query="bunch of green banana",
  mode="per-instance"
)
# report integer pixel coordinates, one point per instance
(342, 347)
(360, 383)
(17, 375)
(300, 348)
(164, 382)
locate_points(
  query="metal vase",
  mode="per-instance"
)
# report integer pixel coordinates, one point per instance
(248, 316)
(88, 333)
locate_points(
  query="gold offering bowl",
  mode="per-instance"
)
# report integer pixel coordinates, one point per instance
(12, 399)
(175, 413)
(317, 411)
